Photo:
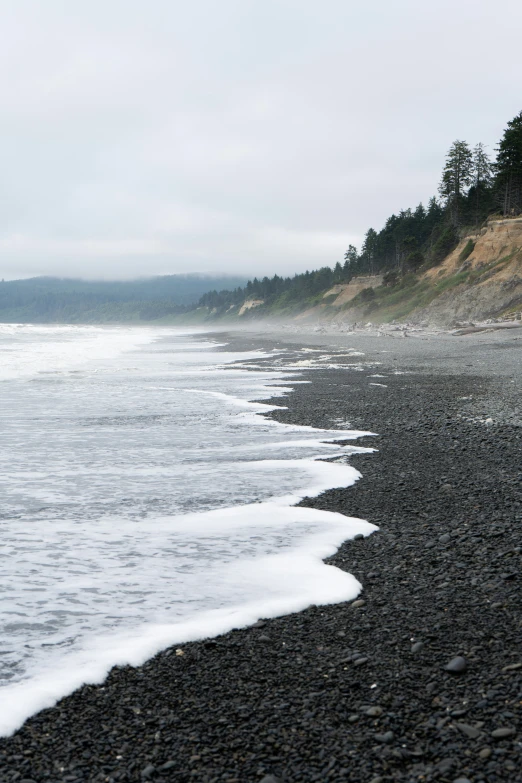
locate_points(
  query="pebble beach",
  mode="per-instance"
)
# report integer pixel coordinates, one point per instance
(419, 678)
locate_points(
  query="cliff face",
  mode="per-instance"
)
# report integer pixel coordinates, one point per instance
(345, 292)
(249, 304)
(490, 265)
(480, 279)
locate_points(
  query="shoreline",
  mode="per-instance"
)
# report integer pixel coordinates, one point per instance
(349, 691)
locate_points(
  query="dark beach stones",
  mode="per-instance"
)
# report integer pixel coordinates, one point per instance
(386, 738)
(469, 731)
(457, 665)
(504, 733)
(239, 708)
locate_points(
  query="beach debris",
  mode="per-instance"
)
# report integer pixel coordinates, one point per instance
(180, 652)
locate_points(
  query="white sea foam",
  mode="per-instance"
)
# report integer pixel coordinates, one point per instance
(140, 510)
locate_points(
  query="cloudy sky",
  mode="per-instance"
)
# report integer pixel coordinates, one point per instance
(256, 136)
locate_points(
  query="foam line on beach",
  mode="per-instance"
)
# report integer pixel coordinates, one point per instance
(265, 583)
(291, 581)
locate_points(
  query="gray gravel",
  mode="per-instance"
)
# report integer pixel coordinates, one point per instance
(350, 692)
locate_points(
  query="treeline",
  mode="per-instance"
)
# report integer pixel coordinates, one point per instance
(472, 187)
(50, 299)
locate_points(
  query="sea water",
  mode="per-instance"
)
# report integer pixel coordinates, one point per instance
(146, 501)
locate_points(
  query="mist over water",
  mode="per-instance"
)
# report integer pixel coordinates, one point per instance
(145, 502)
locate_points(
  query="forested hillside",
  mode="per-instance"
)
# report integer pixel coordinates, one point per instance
(51, 299)
(473, 186)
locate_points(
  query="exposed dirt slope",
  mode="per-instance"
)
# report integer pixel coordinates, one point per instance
(490, 265)
(345, 292)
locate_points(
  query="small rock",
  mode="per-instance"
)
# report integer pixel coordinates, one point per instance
(446, 488)
(374, 712)
(445, 538)
(168, 765)
(148, 771)
(469, 731)
(269, 779)
(462, 780)
(264, 639)
(417, 647)
(358, 603)
(485, 753)
(353, 718)
(378, 779)
(385, 738)
(512, 667)
(180, 652)
(457, 665)
(445, 765)
(502, 733)
(358, 537)
(360, 661)
(259, 624)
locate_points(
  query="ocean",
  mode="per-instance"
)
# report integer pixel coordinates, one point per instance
(145, 501)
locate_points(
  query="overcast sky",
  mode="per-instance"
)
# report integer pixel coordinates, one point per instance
(254, 136)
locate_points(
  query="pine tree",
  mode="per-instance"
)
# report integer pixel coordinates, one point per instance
(338, 273)
(482, 168)
(369, 250)
(456, 176)
(508, 167)
(482, 177)
(350, 262)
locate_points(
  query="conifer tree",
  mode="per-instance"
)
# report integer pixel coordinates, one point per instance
(350, 262)
(508, 167)
(456, 176)
(482, 177)
(369, 249)
(482, 167)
